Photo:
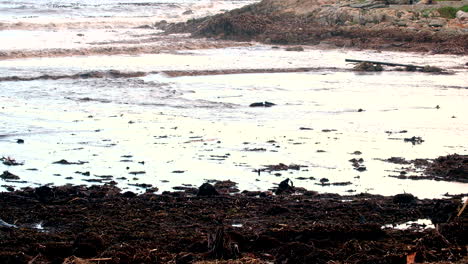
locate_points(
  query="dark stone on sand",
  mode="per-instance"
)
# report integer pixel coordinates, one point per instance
(207, 189)
(262, 104)
(128, 194)
(285, 187)
(65, 162)
(324, 180)
(6, 175)
(404, 198)
(361, 169)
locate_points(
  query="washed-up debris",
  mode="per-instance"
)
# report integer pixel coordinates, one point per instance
(137, 172)
(399, 132)
(365, 65)
(368, 67)
(327, 183)
(86, 173)
(262, 104)
(358, 164)
(65, 162)
(6, 175)
(255, 149)
(10, 161)
(162, 228)
(414, 140)
(281, 167)
(452, 167)
(141, 185)
(93, 180)
(222, 246)
(227, 186)
(397, 160)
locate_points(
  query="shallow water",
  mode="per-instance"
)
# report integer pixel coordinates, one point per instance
(169, 131)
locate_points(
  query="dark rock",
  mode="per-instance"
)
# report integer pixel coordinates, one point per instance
(285, 187)
(207, 189)
(404, 198)
(262, 104)
(361, 168)
(20, 141)
(324, 180)
(6, 175)
(129, 194)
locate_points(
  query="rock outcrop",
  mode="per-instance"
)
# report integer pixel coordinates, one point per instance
(370, 25)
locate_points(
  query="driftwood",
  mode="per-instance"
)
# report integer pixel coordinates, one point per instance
(387, 63)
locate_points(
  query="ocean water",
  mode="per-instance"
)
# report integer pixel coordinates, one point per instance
(173, 131)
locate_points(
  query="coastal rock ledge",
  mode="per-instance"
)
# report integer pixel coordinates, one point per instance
(405, 25)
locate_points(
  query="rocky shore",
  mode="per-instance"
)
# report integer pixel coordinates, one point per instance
(77, 224)
(439, 27)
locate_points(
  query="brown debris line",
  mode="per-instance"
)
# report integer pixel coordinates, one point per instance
(121, 74)
(240, 71)
(86, 75)
(89, 224)
(165, 44)
(256, 22)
